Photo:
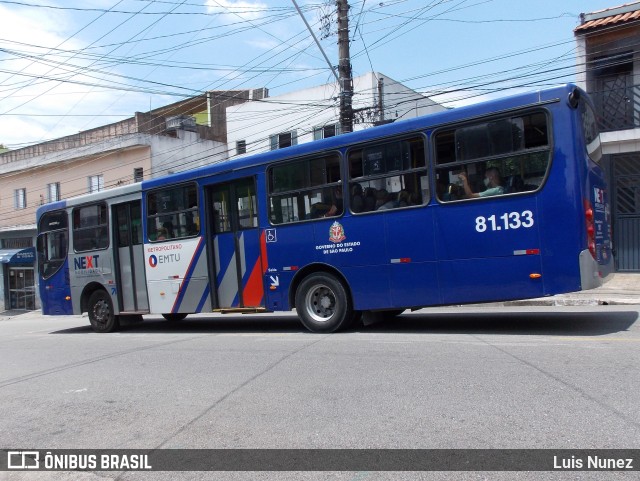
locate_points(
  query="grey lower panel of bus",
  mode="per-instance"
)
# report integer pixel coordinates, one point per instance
(589, 271)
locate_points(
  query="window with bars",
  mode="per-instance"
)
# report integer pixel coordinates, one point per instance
(20, 198)
(96, 183)
(53, 192)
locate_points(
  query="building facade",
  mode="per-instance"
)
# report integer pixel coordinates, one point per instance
(608, 61)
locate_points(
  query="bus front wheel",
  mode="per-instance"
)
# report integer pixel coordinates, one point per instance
(323, 304)
(101, 313)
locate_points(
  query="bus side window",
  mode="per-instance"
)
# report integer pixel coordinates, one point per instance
(388, 175)
(503, 156)
(171, 213)
(305, 189)
(90, 227)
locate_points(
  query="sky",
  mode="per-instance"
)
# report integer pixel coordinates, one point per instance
(72, 65)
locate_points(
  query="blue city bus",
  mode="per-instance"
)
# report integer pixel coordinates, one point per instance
(497, 201)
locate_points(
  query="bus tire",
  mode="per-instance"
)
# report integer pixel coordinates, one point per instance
(101, 314)
(174, 317)
(322, 303)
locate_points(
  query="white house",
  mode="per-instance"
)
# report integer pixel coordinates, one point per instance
(310, 114)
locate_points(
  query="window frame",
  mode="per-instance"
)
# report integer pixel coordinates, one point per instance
(271, 196)
(276, 144)
(426, 168)
(56, 185)
(100, 183)
(20, 198)
(103, 226)
(194, 211)
(320, 131)
(43, 237)
(489, 161)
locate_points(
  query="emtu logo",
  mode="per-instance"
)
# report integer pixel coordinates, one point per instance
(153, 261)
(23, 459)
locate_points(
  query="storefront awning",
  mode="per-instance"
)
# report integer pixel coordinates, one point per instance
(18, 256)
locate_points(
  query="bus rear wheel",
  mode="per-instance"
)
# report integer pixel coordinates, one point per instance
(323, 304)
(175, 317)
(101, 315)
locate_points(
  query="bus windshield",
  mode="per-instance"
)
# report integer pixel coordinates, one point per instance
(53, 242)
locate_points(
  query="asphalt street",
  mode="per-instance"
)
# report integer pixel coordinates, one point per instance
(473, 377)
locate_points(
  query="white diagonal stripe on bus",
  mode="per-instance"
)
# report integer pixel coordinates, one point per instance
(228, 287)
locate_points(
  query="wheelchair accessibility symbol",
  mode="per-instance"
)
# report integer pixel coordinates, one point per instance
(270, 235)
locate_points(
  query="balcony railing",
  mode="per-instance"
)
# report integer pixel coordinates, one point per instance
(618, 108)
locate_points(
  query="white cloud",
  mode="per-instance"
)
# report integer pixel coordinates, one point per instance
(266, 44)
(34, 105)
(233, 9)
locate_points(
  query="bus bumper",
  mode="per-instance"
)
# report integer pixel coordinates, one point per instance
(590, 275)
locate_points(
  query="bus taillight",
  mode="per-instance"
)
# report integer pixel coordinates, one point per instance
(591, 228)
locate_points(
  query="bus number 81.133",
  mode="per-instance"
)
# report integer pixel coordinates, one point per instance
(508, 220)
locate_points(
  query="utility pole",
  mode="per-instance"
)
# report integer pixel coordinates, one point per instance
(344, 68)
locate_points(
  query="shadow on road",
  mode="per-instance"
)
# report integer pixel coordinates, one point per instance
(583, 323)
(550, 323)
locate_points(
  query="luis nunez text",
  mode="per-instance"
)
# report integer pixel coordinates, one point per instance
(592, 462)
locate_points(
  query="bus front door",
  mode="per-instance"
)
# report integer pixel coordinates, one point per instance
(236, 266)
(129, 252)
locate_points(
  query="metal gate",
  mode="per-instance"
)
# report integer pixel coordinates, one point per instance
(626, 219)
(22, 292)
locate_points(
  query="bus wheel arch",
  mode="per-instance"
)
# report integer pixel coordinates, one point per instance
(88, 290)
(101, 313)
(322, 299)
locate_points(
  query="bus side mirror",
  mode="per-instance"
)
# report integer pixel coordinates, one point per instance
(574, 98)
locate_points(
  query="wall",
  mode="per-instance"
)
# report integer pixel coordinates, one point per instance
(115, 159)
(115, 166)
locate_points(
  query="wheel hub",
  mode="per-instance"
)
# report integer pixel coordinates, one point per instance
(321, 303)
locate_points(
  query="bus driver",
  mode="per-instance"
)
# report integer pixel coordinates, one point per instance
(492, 182)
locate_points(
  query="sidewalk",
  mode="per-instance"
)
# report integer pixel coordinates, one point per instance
(11, 314)
(622, 289)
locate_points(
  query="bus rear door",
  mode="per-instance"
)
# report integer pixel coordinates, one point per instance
(236, 268)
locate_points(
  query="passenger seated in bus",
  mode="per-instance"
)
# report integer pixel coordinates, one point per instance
(338, 203)
(168, 225)
(162, 234)
(384, 201)
(369, 199)
(492, 182)
(357, 198)
(404, 198)
(190, 225)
